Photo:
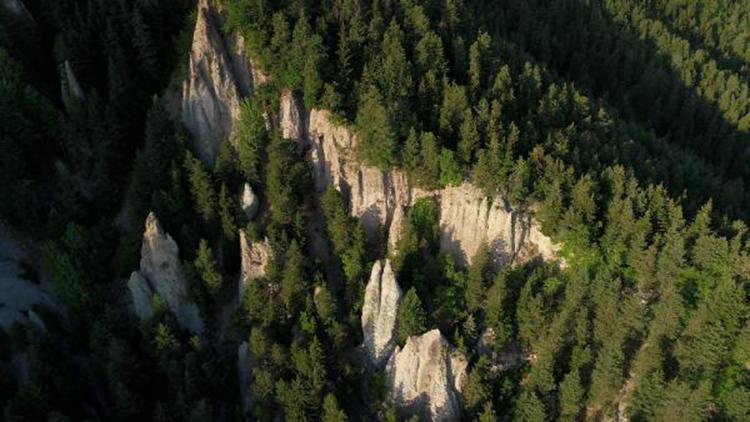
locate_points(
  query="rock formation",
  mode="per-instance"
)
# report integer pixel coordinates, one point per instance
(510, 357)
(141, 293)
(250, 202)
(70, 89)
(382, 297)
(425, 377)
(219, 75)
(381, 198)
(243, 376)
(291, 117)
(468, 219)
(256, 256)
(160, 266)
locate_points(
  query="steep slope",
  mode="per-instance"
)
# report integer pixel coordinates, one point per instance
(219, 76)
(426, 376)
(382, 297)
(380, 198)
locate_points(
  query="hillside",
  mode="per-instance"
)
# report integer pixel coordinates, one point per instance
(374, 210)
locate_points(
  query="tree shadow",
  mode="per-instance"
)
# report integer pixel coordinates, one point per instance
(669, 134)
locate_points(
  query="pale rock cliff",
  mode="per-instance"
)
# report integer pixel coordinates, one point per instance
(219, 76)
(250, 202)
(382, 297)
(161, 267)
(291, 120)
(469, 219)
(426, 376)
(141, 293)
(381, 198)
(255, 256)
(243, 376)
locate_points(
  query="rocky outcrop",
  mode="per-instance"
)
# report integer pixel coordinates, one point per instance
(70, 89)
(381, 198)
(291, 120)
(250, 202)
(219, 75)
(255, 256)
(161, 267)
(141, 293)
(243, 376)
(382, 297)
(425, 377)
(511, 356)
(468, 219)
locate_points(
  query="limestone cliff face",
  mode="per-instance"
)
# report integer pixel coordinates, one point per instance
(141, 292)
(468, 219)
(381, 198)
(255, 256)
(425, 377)
(161, 267)
(219, 76)
(382, 297)
(243, 376)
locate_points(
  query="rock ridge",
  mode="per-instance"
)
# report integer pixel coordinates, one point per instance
(425, 377)
(219, 76)
(161, 273)
(379, 309)
(381, 199)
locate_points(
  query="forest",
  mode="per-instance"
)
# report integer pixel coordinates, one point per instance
(621, 127)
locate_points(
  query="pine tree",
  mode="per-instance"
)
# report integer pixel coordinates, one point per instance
(227, 214)
(201, 187)
(293, 283)
(469, 138)
(571, 396)
(251, 140)
(410, 318)
(529, 408)
(477, 277)
(331, 410)
(377, 135)
(206, 266)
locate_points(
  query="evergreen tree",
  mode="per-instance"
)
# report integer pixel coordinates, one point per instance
(410, 318)
(206, 266)
(201, 187)
(331, 410)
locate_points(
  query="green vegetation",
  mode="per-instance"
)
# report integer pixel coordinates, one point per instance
(620, 126)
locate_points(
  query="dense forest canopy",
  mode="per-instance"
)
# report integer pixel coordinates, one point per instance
(621, 126)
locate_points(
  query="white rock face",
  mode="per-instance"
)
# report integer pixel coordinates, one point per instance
(468, 219)
(381, 199)
(382, 297)
(250, 201)
(425, 377)
(219, 75)
(255, 256)
(141, 293)
(243, 375)
(160, 265)
(290, 117)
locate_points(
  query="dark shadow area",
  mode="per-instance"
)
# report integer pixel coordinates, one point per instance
(666, 132)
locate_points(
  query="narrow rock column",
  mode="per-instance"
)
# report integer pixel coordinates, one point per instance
(382, 297)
